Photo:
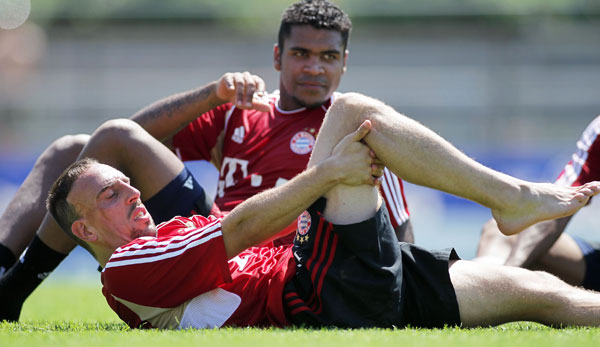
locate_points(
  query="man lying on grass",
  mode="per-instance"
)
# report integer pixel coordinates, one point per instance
(346, 267)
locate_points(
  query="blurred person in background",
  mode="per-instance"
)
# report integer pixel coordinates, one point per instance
(545, 246)
(256, 141)
(21, 51)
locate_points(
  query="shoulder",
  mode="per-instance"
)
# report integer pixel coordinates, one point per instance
(171, 230)
(181, 224)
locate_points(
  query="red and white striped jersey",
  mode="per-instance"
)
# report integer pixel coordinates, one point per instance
(584, 165)
(255, 151)
(182, 279)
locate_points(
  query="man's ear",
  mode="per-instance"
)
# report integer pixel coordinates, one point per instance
(80, 229)
(276, 57)
(346, 52)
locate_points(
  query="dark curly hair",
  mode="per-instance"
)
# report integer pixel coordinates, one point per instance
(320, 14)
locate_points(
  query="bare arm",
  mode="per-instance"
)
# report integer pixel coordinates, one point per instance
(535, 241)
(165, 117)
(262, 216)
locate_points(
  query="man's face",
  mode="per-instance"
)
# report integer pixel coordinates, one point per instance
(311, 63)
(111, 209)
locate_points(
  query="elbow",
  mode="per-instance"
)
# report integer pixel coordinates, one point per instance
(238, 235)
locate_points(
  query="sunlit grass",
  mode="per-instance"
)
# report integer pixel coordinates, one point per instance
(75, 314)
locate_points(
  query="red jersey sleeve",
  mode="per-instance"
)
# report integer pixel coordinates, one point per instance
(186, 259)
(195, 141)
(584, 165)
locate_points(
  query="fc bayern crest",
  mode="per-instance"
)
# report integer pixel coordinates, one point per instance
(303, 223)
(302, 143)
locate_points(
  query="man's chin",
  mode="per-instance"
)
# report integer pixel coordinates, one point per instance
(312, 103)
(148, 231)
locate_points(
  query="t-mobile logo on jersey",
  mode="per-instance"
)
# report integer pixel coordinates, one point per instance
(238, 134)
(228, 169)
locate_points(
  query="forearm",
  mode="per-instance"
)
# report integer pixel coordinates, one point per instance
(263, 216)
(165, 117)
(535, 241)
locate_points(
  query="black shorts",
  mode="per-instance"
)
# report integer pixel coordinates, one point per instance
(359, 275)
(591, 255)
(183, 196)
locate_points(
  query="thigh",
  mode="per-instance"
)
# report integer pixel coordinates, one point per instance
(564, 259)
(126, 146)
(489, 294)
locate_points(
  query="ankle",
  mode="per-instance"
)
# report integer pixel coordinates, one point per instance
(7, 259)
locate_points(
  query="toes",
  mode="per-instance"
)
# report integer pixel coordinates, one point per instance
(583, 198)
(591, 188)
(595, 187)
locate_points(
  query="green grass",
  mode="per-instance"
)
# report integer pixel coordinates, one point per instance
(75, 314)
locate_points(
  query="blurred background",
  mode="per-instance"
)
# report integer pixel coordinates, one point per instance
(511, 83)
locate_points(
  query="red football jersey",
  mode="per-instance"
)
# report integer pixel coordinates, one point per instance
(255, 151)
(182, 279)
(584, 165)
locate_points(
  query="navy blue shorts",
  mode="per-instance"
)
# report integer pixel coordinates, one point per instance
(183, 196)
(359, 275)
(591, 255)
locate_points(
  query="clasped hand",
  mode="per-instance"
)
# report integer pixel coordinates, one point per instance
(357, 163)
(244, 90)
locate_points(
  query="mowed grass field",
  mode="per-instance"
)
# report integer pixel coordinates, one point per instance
(75, 314)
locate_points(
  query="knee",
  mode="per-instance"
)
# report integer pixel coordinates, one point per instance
(549, 290)
(352, 99)
(547, 279)
(65, 148)
(353, 105)
(537, 295)
(116, 131)
(541, 283)
(358, 108)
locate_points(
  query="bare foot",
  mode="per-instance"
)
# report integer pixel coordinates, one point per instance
(543, 201)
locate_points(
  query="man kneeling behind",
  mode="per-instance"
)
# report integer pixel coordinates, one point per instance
(346, 267)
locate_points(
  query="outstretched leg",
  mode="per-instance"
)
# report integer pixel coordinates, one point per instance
(24, 216)
(490, 294)
(486, 294)
(25, 212)
(420, 156)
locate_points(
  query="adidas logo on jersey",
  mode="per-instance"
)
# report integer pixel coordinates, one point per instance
(241, 261)
(189, 183)
(238, 134)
